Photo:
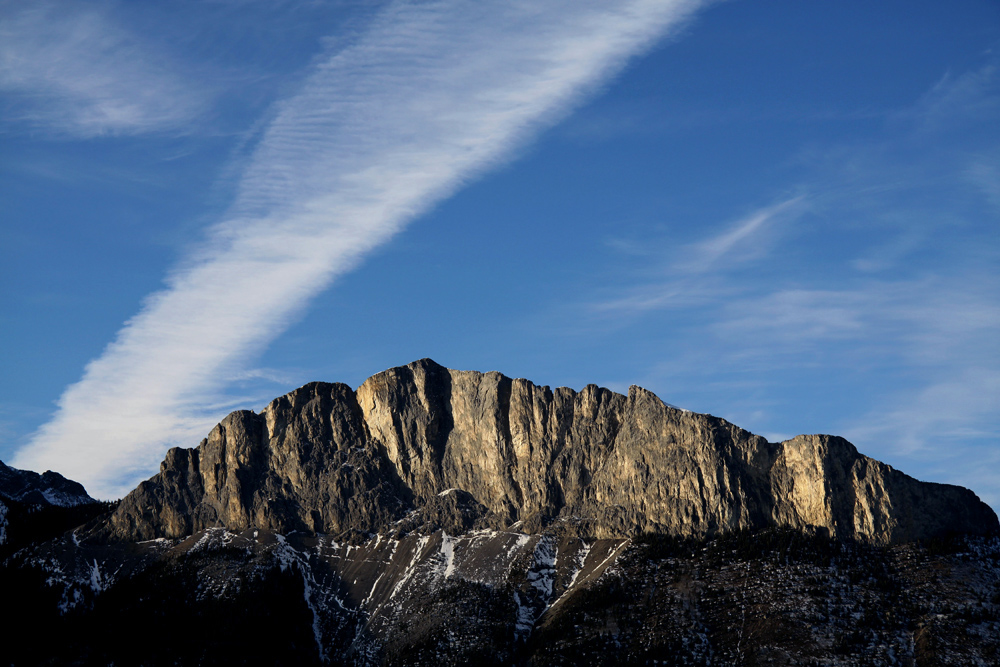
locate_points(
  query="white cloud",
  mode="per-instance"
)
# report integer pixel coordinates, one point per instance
(744, 239)
(71, 68)
(986, 176)
(953, 410)
(693, 274)
(431, 96)
(972, 95)
(795, 317)
(946, 427)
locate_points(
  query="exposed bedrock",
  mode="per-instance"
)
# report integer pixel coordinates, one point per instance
(467, 449)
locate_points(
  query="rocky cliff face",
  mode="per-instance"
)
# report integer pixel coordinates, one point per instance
(425, 446)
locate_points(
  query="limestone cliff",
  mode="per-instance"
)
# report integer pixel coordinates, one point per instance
(467, 449)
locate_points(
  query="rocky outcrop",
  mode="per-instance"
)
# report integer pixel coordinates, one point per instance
(422, 445)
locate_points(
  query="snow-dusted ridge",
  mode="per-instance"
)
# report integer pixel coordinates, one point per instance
(48, 488)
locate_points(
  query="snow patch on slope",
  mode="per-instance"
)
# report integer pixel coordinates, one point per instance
(412, 567)
(531, 602)
(543, 570)
(315, 595)
(525, 619)
(578, 561)
(63, 499)
(448, 553)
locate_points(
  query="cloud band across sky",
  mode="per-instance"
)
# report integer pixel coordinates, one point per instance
(429, 97)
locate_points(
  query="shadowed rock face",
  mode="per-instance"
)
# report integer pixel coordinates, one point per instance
(49, 488)
(469, 449)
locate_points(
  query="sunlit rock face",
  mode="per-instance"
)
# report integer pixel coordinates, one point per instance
(425, 446)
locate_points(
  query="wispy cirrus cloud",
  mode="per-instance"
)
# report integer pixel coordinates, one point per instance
(72, 69)
(743, 241)
(690, 272)
(971, 95)
(429, 97)
(933, 324)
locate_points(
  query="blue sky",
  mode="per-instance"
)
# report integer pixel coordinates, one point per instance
(782, 213)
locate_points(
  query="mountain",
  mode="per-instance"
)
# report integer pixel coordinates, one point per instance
(327, 459)
(49, 488)
(33, 506)
(435, 516)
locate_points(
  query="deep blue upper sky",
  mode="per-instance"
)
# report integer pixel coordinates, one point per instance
(782, 213)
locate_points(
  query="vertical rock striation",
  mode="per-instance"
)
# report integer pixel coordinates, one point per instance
(328, 459)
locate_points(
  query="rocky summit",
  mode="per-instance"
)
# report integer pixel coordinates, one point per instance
(442, 517)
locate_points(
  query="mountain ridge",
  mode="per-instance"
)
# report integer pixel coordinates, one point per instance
(37, 506)
(47, 488)
(325, 458)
